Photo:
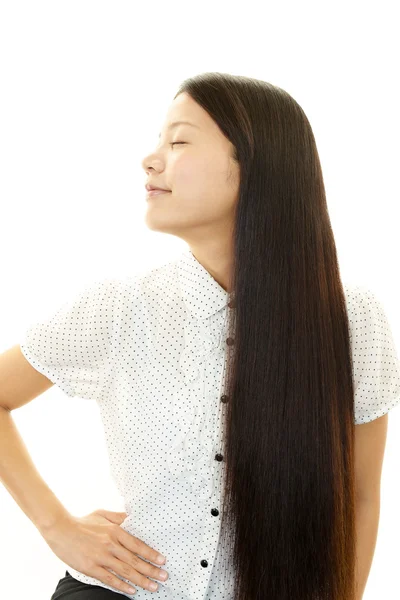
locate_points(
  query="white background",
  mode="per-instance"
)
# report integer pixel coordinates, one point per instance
(85, 87)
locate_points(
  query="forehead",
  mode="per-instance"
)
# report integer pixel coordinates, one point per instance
(180, 122)
(185, 110)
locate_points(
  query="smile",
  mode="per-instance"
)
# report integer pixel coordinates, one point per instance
(157, 192)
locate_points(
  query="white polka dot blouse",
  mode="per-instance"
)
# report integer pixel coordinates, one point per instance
(150, 349)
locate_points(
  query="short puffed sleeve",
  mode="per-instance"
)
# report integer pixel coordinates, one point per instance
(376, 366)
(73, 346)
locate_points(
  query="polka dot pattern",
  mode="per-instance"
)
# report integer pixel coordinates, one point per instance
(376, 366)
(151, 349)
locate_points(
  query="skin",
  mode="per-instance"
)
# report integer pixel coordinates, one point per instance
(204, 183)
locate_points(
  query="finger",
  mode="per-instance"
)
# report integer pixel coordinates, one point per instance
(114, 517)
(113, 581)
(135, 563)
(127, 572)
(137, 546)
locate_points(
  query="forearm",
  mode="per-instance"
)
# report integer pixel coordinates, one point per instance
(367, 522)
(20, 477)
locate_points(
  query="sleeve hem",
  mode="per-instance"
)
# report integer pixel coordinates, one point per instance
(47, 372)
(379, 413)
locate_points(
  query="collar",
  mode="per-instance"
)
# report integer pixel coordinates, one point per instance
(202, 294)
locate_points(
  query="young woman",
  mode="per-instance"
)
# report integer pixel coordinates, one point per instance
(243, 387)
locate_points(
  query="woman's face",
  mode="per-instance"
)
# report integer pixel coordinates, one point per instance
(202, 176)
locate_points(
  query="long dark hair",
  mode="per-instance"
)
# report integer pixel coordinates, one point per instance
(289, 504)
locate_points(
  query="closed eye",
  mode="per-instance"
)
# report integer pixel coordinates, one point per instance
(172, 143)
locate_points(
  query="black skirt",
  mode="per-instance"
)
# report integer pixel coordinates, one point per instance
(69, 588)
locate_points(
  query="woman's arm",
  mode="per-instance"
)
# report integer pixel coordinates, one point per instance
(367, 522)
(20, 477)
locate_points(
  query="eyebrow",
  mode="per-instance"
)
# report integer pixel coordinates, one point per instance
(176, 123)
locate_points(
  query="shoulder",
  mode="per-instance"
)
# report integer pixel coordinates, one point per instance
(367, 313)
(359, 296)
(147, 287)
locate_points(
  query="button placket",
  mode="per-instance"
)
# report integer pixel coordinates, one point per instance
(212, 533)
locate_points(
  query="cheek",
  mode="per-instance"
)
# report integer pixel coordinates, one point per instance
(193, 174)
(200, 183)
(187, 173)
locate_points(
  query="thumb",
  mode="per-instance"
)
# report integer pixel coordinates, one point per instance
(121, 515)
(115, 517)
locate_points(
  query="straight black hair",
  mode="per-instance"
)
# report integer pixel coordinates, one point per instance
(289, 496)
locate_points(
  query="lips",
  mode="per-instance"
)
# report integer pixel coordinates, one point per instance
(149, 188)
